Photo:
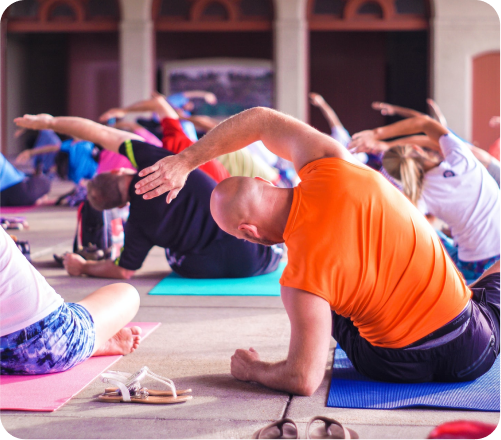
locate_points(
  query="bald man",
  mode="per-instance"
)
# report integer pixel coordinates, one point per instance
(364, 265)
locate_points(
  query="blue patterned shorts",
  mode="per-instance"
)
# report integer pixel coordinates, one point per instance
(56, 343)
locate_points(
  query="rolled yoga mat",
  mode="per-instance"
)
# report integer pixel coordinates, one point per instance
(350, 389)
(49, 392)
(260, 285)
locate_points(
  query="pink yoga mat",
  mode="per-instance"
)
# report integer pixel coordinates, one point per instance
(15, 209)
(49, 392)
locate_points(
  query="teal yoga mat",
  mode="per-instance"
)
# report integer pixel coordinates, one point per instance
(261, 285)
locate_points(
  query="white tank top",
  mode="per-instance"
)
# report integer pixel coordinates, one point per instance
(25, 295)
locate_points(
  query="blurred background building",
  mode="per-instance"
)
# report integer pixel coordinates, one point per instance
(81, 57)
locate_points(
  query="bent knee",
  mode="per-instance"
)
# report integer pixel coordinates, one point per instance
(130, 293)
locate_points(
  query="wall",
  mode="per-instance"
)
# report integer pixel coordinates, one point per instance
(462, 29)
(93, 75)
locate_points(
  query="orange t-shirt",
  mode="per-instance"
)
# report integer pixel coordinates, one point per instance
(356, 241)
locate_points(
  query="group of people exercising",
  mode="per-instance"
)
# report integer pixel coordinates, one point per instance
(407, 303)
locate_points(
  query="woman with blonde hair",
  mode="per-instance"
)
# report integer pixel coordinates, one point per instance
(447, 177)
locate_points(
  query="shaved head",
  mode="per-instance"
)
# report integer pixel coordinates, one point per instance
(244, 207)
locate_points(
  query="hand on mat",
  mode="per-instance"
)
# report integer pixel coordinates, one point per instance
(74, 263)
(35, 122)
(241, 363)
(167, 175)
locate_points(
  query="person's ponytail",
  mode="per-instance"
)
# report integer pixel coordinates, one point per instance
(405, 164)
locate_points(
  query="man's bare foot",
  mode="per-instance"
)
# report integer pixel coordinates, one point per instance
(124, 342)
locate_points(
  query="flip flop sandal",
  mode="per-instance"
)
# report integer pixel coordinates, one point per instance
(283, 428)
(128, 390)
(331, 429)
(136, 385)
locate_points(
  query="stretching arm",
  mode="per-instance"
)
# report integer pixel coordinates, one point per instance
(327, 111)
(157, 103)
(201, 122)
(303, 370)
(283, 135)
(109, 138)
(390, 110)
(24, 156)
(436, 112)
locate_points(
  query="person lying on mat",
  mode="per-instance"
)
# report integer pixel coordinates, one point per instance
(363, 264)
(195, 246)
(41, 334)
(18, 189)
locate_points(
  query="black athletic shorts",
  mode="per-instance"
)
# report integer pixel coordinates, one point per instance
(228, 257)
(27, 192)
(464, 358)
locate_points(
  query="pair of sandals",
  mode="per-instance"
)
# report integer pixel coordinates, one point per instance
(128, 388)
(286, 428)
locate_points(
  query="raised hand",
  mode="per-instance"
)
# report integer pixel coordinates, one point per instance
(210, 98)
(366, 142)
(383, 107)
(494, 122)
(112, 113)
(316, 99)
(167, 175)
(35, 122)
(23, 157)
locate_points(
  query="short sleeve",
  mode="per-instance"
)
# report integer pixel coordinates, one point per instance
(141, 154)
(135, 250)
(457, 153)
(66, 145)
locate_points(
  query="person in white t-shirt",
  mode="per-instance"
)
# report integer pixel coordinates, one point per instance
(40, 333)
(455, 186)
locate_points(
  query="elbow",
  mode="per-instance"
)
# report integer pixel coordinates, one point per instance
(308, 384)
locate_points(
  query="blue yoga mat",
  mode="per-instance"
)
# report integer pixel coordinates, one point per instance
(350, 389)
(261, 285)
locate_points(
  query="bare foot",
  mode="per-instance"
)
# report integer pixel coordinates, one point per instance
(124, 342)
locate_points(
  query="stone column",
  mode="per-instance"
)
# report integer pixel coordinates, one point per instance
(137, 51)
(291, 57)
(461, 30)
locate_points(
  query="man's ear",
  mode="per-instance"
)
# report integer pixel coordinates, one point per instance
(250, 230)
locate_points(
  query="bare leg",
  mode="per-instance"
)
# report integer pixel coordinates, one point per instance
(112, 307)
(493, 269)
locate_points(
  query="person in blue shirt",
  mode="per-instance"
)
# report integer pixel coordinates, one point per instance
(18, 189)
(76, 159)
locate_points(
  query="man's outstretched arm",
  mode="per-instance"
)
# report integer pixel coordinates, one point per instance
(157, 103)
(304, 369)
(109, 138)
(283, 135)
(76, 266)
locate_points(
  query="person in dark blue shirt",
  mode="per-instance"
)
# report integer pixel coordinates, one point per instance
(195, 246)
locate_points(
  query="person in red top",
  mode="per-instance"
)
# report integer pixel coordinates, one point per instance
(363, 264)
(174, 139)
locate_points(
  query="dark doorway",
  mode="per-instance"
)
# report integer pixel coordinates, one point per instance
(353, 69)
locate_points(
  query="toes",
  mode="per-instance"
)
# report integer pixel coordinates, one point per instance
(136, 330)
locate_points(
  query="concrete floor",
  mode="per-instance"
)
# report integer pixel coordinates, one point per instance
(193, 347)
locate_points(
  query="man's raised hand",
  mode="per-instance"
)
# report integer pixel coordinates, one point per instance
(35, 122)
(167, 175)
(112, 113)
